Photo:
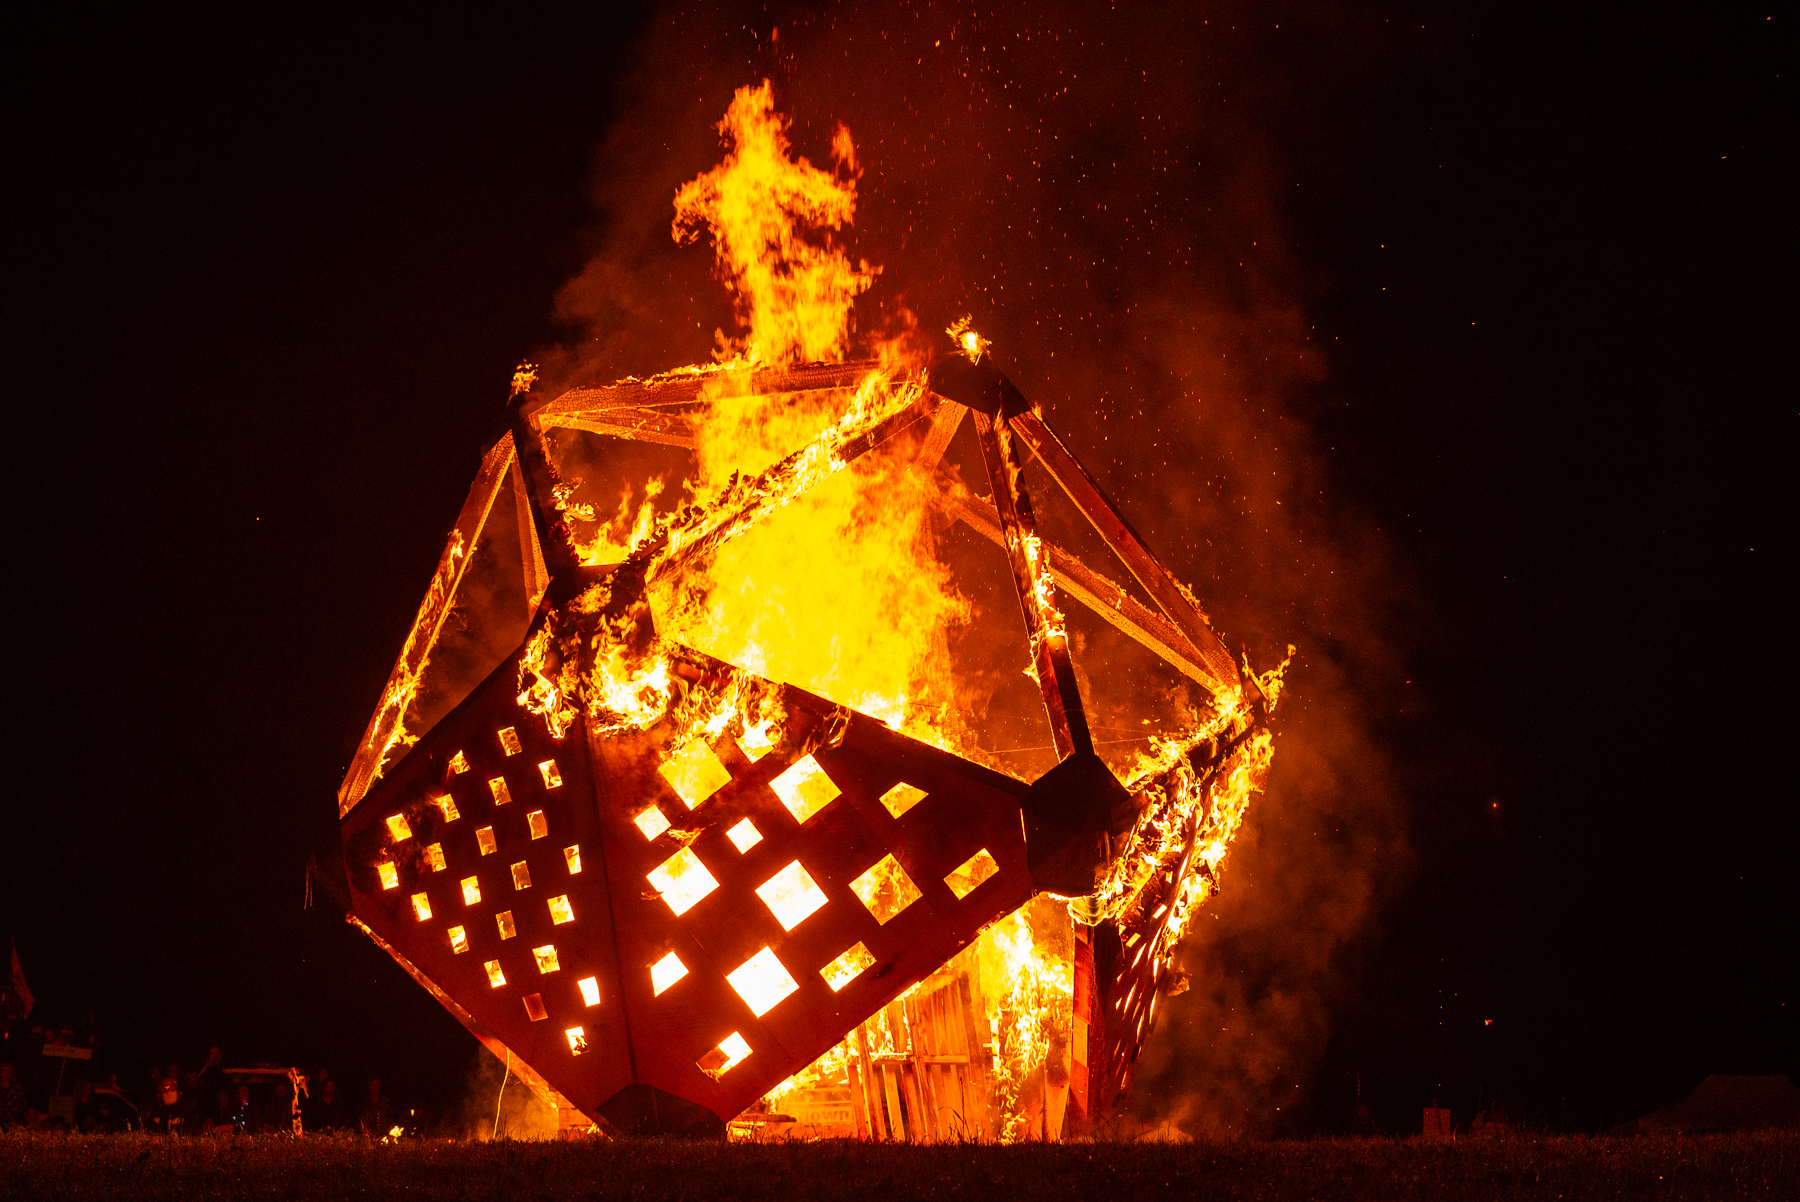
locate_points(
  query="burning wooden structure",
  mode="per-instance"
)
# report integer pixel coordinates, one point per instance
(663, 886)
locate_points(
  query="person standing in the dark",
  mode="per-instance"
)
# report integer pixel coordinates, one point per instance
(318, 1109)
(211, 1090)
(377, 1115)
(12, 1098)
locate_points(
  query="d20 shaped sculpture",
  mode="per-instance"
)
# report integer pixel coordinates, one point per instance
(661, 884)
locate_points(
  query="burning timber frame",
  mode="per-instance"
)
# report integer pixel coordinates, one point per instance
(676, 1007)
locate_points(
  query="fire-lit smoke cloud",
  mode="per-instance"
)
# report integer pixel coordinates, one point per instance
(1103, 191)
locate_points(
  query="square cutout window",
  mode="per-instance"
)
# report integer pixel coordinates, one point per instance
(572, 857)
(665, 972)
(762, 981)
(398, 827)
(509, 740)
(804, 788)
(971, 873)
(744, 835)
(552, 778)
(791, 895)
(446, 805)
(560, 911)
(847, 967)
(537, 824)
(546, 958)
(682, 880)
(471, 890)
(901, 798)
(484, 839)
(459, 940)
(496, 978)
(534, 1007)
(885, 889)
(497, 786)
(434, 857)
(521, 874)
(421, 906)
(590, 991)
(651, 822)
(504, 921)
(459, 763)
(577, 1040)
(722, 1059)
(694, 772)
(389, 874)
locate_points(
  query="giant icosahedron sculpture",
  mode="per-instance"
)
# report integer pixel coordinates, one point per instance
(661, 885)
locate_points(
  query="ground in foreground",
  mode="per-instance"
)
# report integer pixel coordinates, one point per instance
(1764, 1166)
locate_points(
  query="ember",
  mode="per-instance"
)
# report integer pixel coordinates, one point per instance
(815, 903)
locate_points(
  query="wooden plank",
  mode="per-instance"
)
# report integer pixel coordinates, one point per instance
(1036, 587)
(440, 596)
(686, 387)
(1164, 590)
(531, 556)
(638, 425)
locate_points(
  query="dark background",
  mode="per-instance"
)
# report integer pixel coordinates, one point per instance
(267, 284)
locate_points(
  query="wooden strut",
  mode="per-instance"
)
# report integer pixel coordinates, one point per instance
(1037, 592)
(1169, 596)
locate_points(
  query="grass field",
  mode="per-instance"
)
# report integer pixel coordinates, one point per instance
(131, 1167)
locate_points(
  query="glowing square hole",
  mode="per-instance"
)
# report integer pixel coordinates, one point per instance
(504, 921)
(577, 1040)
(521, 874)
(694, 772)
(471, 889)
(552, 778)
(459, 940)
(497, 786)
(682, 880)
(744, 835)
(560, 911)
(459, 763)
(791, 895)
(590, 991)
(762, 981)
(572, 857)
(971, 873)
(446, 806)
(421, 906)
(484, 839)
(496, 977)
(759, 738)
(804, 789)
(665, 972)
(509, 740)
(389, 874)
(885, 889)
(546, 958)
(534, 1007)
(434, 856)
(398, 827)
(537, 824)
(651, 822)
(847, 967)
(901, 798)
(731, 1050)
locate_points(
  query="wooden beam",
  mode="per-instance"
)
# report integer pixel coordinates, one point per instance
(639, 425)
(1164, 589)
(1036, 586)
(686, 387)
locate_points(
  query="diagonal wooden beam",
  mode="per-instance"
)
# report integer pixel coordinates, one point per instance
(1037, 592)
(1105, 597)
(639, 425)
(686, 387)
(1164, 589)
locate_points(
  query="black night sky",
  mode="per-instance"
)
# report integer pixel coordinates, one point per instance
(267, 283)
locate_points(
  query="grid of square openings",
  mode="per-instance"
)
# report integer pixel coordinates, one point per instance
(467, 892)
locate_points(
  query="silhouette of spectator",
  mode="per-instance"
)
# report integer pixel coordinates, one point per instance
(12, 1098)
(171, 1111)
(319, 1109)
(212, 1092)
(377, 1115)
(242, 1111)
